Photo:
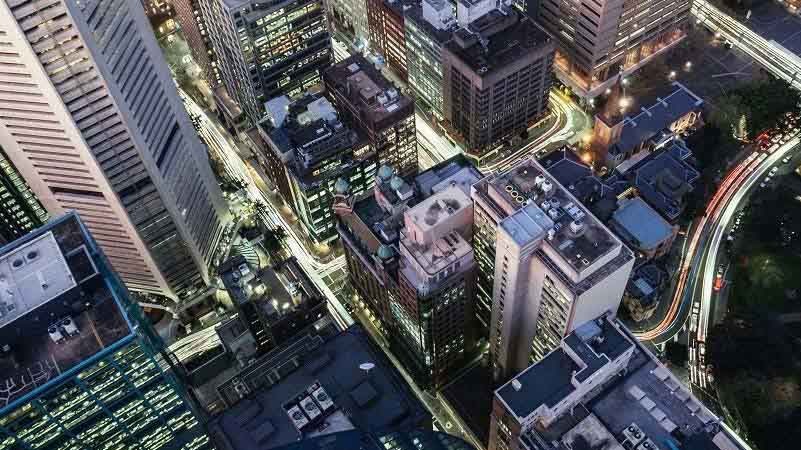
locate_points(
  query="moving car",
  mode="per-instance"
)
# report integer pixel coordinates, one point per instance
(718, 285)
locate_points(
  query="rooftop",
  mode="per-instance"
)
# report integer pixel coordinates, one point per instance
(496, 40)
(453, 171)
(357, 440)
(643, 226)
(312, 388)
(575, 235)
(644, 402)
(647, 122)
(434, 26)
(57, 312)
(366, 89)
(664, 177)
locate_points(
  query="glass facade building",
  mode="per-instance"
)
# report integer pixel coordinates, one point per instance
(80, 367)
(20, 210)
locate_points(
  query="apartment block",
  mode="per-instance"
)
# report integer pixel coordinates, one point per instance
(601, 40)
(267, 49)
(81, 367)
(497, 76)
(548, 262)
(311, 157)
(601, 388)
(371, 105)
(410, 259)
(94, 124)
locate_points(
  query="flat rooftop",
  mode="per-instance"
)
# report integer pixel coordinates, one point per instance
(456, 170)
(368, 90)
(646, 402)
(577, 236)
(56, 310)
(282, 401)
(642, 223)
(509, 37)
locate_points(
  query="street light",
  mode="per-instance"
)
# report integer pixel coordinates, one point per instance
(688, 65)
(672, 75)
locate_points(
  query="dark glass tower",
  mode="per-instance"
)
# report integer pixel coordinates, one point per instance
(80, 368)
(20, 210)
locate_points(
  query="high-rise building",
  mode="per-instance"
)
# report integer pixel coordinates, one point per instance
(189, 15)
(311, 156)
(429, 27)
(94, 124)
(20, 210)
(267, 49)
(387, 33)
(497, 76)
(156, 8)
(550, 264)
(601, 388)
(349, 18)
(410, 258)
(368, 103)
(81, 367)
(598, 40)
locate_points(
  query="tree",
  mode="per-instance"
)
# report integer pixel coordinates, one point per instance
(727, 111)
(273, 239)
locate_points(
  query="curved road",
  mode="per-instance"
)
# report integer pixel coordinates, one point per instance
(698, 266)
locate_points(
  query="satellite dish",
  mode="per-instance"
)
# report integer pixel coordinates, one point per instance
(366, 367)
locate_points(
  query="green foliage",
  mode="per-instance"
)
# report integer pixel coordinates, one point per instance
(273, 239)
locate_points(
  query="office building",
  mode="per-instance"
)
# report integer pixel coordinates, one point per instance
(497, 76)
(600, 41)
(94, 124)
(371, 105)
(429, 26)
(311, 156)
(20, 210)
(410, 259)
(266, 50)
(348, 18)
(312, 387)
(387, 32)
(553, 263)
(601, 388)
(157, 8)
(275, 303)
(81, 367)
(190, 18)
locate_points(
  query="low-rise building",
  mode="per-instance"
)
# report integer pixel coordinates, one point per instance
(642, 228)
(315, 386)
(601, 388)
(275, 303)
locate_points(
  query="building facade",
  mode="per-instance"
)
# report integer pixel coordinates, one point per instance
(97, 126)
(599, 40)
(410, 259)
(190, 18)
(552, 263)
(496, 85)
(311, 157)
(385, 20)
(265, 50)
(601, 388)
(428, 28)
(349, 19)
(87, 369)
(371, 105)
(20, 210)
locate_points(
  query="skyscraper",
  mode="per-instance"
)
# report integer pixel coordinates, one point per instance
(80, 368)
(20, 210)
(597, 40)
(548, 262)
(268, 49)
(189, 15)
(93, 122)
